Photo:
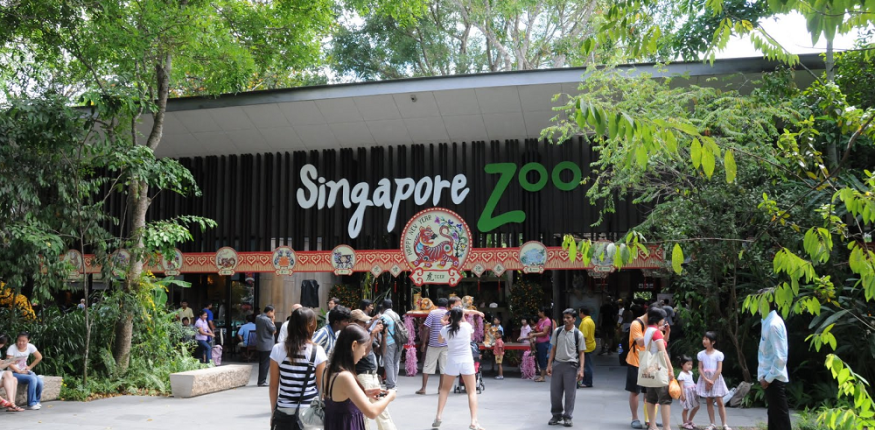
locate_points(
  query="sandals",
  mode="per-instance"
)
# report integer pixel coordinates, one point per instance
(436, 423)
(689, 425)
(475, 426)
(539, 379)
(14, 408)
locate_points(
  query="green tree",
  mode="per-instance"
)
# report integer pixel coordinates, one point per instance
(126, 59)
(464, 36)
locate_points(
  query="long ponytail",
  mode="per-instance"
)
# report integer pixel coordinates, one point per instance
(455, 318)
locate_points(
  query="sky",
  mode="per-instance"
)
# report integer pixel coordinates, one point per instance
(791, 33)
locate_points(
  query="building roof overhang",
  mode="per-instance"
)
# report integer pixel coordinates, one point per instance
(462, 108)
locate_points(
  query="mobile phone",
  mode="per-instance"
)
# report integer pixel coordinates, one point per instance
(382, 394)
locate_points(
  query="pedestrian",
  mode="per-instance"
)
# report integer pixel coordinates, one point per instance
(669, 312)
(332, 302)
(457, 335)
(711, 385)
(209, 309)
(541, 336)
(264, 330)
(184, 311)
(367, 307)
(498, 347)
(433, 346)
(587, 327)
(689, 396)
(8, 381)
(636, 345)
(338, 319)
(284, 329)
(392, 351)
(568, 354)
(296, 369)
(772, 369)
(525, 330)
(655, 342)
(202, 326)
(366, 368)
(608, 325)
(347, 402)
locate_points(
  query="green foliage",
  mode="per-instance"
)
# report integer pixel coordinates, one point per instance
(526, 298)
(349, 295)
(158, 346)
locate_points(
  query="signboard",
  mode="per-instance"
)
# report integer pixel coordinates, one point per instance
(283, 260)
(226, 261)
(343, 260)
(533, 257)
(173, 264)
(435, 244)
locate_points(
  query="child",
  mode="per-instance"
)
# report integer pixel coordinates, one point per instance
(711, 385)
(524, 332)
(689, 397)
(498, 349)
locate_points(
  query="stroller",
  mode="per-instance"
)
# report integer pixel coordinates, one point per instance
(478, 375)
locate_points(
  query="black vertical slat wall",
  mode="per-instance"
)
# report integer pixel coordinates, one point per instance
(253, 197)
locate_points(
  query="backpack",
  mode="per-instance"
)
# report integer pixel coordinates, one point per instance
(401, 335)
(576, 337)
(627, 335)
(217, 355)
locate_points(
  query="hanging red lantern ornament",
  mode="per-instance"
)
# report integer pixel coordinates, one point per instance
(478, 285)
(499, 285)
(395, 287)
(376, 287)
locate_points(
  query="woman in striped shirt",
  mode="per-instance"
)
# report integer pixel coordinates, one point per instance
(289, 362)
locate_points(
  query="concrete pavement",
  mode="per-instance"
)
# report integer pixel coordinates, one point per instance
(509, 404)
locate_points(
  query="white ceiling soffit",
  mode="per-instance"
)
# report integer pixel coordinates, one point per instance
(466, 108)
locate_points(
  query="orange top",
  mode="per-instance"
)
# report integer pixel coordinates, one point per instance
(636, 330)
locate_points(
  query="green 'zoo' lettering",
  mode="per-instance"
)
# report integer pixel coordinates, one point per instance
(488, 222)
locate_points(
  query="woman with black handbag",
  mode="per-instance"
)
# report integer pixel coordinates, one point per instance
(347, 402)
(296, 368)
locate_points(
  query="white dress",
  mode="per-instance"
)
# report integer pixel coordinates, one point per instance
(709, 368)
(460, 360)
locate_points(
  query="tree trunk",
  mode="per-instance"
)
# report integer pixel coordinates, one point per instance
(734, 335)
(138, 205)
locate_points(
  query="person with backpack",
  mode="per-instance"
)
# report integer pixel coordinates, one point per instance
(541, 336)
(395, 337)
(568, 355)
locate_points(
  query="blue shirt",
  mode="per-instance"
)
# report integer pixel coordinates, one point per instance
(325, 337)
(433, 322)
(389, 323)
(209, 314)
(772, 354)
(244, 332)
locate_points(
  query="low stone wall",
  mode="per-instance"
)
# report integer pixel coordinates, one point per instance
(205, 381)
(51, 390)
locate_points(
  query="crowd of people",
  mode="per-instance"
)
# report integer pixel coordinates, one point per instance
(353, 360)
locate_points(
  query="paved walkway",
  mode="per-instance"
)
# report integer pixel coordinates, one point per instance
(509, 404)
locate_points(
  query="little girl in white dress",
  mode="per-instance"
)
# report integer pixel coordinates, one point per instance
(711, 385)
(689, 396)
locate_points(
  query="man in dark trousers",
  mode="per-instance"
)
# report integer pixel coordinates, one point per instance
(772, 370)
(264, 330)
(608, 318)
(565, 366)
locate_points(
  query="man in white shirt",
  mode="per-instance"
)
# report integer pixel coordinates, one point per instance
(772, 370)
(284, 330)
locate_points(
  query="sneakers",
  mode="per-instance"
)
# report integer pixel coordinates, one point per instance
(567, 422)
(554, 421)
(499, 377)
(35, 407)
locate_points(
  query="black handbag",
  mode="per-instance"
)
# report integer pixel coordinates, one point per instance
(283, 421)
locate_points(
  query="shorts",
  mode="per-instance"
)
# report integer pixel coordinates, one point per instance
(456, 368)
(632, 380)
(499, 359)
(435, 356)
(658, 396)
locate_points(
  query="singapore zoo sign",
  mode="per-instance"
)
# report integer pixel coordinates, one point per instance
(319, 192)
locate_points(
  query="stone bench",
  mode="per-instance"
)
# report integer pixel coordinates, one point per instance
(211, 380)
(51, 390)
